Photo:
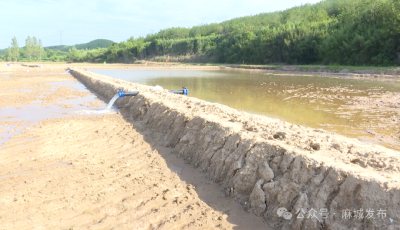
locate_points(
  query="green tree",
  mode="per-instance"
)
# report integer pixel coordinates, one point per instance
(14, 50)
(35, 48)
(40, 50)
(29, 48)
(7, 55)
(73, 54)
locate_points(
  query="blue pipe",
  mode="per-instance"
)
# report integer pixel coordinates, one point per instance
(184, 91)
(123, 94)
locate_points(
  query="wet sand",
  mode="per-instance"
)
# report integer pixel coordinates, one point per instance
(64, 170)
(69, 171)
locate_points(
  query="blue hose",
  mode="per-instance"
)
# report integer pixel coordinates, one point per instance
(123, 94)
(184, 91)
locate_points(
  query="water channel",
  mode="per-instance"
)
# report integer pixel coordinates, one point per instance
(340, 104)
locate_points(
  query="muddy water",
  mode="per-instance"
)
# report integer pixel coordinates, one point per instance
(317, 102)
(29, 115)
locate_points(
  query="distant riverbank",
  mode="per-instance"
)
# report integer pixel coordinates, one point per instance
(315, 70)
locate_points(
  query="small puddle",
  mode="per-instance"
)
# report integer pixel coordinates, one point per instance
(4, 76)
(11, 130)
(24, 172)
(97, 111)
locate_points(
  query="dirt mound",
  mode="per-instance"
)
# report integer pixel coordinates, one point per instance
(268, 165)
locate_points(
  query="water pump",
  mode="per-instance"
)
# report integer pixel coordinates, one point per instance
(184, 91)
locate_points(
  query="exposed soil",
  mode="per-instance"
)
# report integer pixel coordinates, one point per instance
(95, 172)
(117, 172)
(265, 164)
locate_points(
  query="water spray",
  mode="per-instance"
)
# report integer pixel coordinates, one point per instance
(184, 91)
(121, 93)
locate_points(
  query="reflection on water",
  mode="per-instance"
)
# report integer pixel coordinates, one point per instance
(317, 102)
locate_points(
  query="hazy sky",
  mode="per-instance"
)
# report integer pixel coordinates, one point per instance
(81, 21)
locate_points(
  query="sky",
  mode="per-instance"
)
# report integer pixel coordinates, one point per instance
(70, 22)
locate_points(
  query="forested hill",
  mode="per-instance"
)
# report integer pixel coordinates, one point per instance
(346, 32)
(98, 43)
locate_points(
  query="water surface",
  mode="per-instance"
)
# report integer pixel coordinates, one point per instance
(305, 100)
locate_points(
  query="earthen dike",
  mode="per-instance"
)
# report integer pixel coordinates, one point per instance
(266, 164)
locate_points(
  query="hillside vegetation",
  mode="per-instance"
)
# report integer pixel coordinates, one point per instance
(345, 32)
(334, 32)
(54, 53)
(98, 43)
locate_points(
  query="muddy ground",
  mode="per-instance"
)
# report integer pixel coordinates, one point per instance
(266, 164)
(64, 170)
(373, 114)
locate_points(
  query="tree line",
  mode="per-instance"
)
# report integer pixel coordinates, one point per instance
(337, 32)
(343, 32)
(33, 50)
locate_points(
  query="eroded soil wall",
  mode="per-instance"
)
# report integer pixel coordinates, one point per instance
(266, 164)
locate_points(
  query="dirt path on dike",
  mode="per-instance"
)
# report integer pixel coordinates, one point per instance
(61, 169)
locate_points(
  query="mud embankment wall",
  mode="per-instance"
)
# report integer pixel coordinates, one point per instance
(266, 164)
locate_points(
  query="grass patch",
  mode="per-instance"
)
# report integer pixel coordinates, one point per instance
(304, 67)
(336, 67)
(352, 68)
(341, 67)
(206, 64)
(265, 66)
(276, 66)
